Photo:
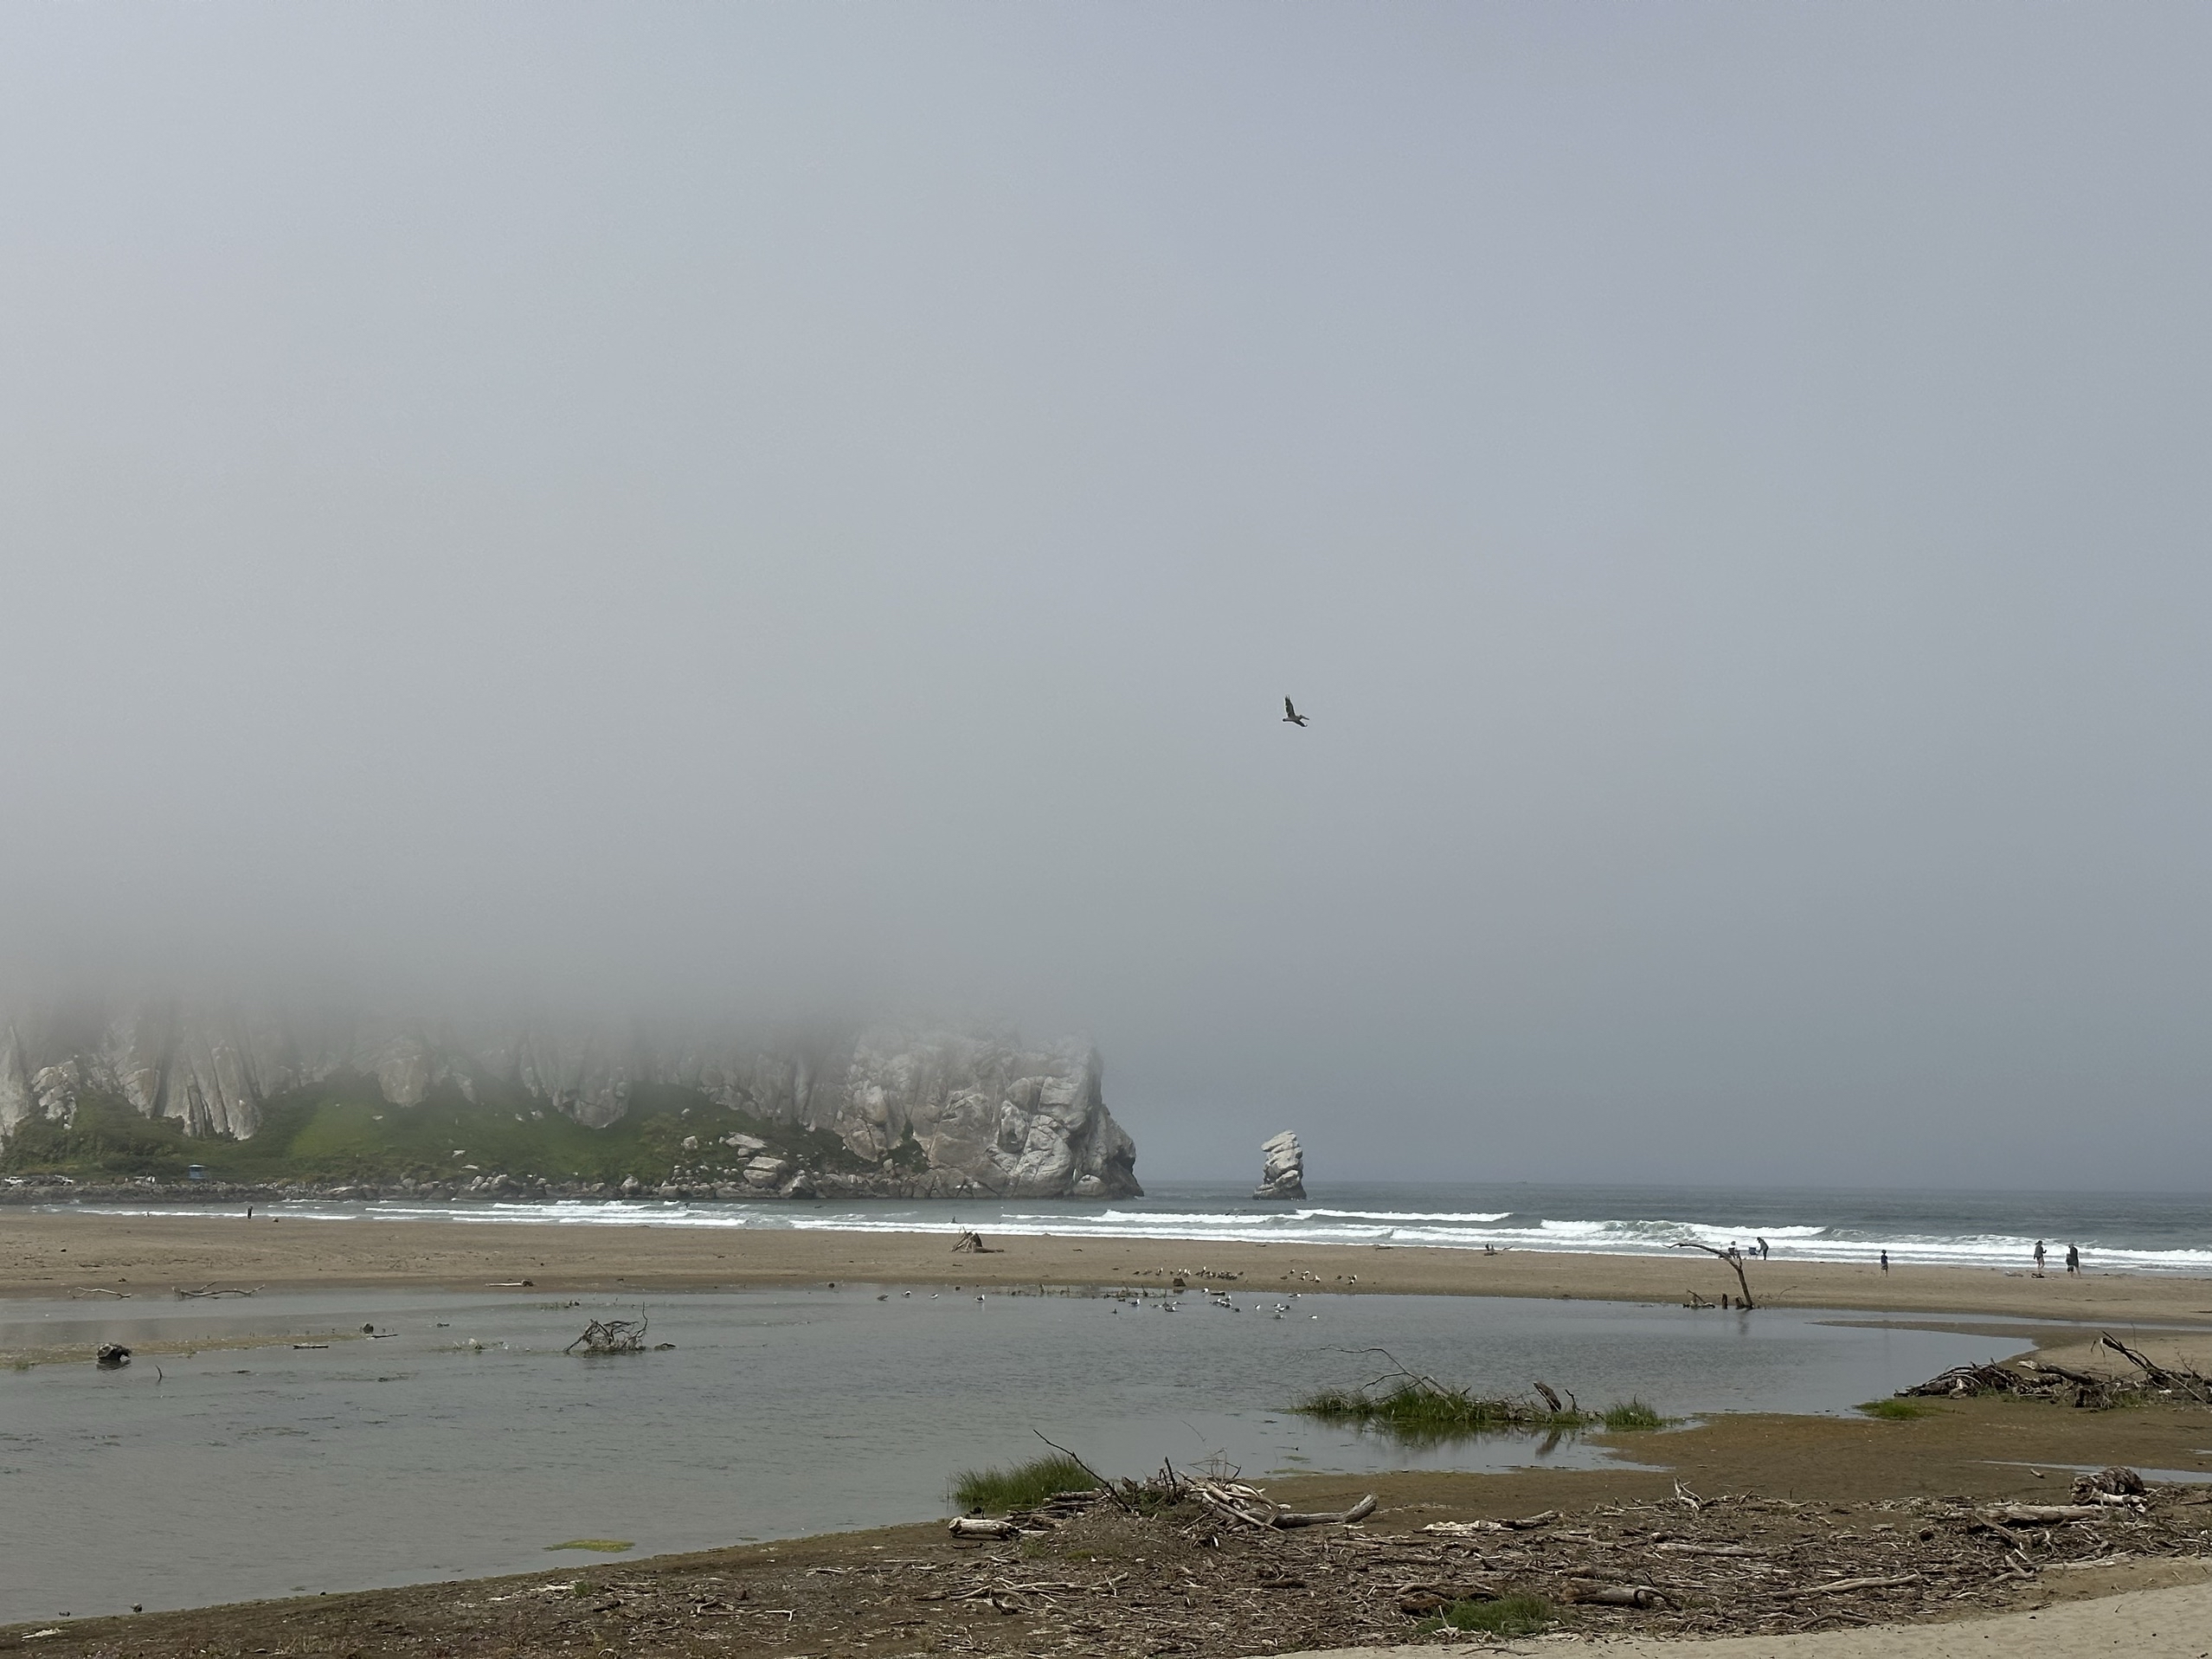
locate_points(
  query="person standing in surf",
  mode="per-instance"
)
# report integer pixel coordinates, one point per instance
(2039, 1258)
(2073, 1258)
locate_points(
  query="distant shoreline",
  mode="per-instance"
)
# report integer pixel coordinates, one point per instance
(51, 1253)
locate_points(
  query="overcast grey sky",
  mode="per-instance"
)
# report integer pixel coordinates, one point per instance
(814, 506)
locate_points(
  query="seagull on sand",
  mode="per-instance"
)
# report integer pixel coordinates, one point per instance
(1291, 715)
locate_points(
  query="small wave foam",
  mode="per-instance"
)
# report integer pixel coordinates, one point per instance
(1227, 1220)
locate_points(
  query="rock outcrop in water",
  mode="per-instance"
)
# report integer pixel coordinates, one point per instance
(1283, 1168)
(915, 1110)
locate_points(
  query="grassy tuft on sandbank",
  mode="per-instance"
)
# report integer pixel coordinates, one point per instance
(1895, 1411)
(994, 1491)
(1507, 1615)
(1631, 1417)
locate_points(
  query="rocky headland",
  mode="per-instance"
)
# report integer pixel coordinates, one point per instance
(274, 1101)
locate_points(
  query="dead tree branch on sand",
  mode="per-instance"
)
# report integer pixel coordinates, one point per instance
(1734, 1258)
(2185, 1382)
(1104, 1485)
(971, 1240)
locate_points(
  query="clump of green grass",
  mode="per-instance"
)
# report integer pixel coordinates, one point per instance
(1627, 1417)
(1895, 1411)
(1507, 1615)
(1023, 1487)
(1419, 1409)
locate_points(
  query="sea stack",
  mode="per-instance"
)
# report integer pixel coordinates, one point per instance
(1283, 1168)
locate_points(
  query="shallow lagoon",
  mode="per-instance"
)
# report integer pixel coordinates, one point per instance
(239, 1472)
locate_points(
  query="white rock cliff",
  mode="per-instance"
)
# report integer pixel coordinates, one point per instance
(989, 1114)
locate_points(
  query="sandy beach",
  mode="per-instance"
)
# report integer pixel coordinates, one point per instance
(1856, 1478)
(2171, 1622)
(56, 1254)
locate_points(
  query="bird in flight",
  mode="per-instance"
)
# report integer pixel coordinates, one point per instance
(1291, 715)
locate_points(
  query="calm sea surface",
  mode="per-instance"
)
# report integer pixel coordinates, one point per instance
(467, 1442)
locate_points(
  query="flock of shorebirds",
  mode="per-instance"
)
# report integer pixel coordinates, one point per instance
(1143, 1299)
(1212, 1297)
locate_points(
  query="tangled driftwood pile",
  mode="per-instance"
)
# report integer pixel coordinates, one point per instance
(1186, 1581)
(2032, 1378)
(611, 1336)
(1686, 1565)
(1219, 1496)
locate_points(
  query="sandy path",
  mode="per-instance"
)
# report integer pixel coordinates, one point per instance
(52, 1254)
(2172, 1624)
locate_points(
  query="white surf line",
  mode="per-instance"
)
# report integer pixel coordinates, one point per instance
(1648, 1240)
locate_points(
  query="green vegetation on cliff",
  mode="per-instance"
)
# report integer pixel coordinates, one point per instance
(344, 1131)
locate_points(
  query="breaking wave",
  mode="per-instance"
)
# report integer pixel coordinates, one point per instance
(2120, 1233)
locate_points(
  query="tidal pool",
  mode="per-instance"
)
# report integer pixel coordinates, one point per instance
(467, 1442)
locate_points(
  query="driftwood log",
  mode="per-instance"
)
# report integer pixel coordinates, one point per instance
(1426, 1600)
(1511, 1524)
(1615, 1595)
(983, 1526)
(2046, 1514)
(1358, 1511)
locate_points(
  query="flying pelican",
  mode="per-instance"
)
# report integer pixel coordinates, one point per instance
(1291, 715)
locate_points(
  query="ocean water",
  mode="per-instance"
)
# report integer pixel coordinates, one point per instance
(467, 1442)
(2123, 1231)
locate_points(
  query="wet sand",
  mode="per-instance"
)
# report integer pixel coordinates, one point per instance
(47, 1254)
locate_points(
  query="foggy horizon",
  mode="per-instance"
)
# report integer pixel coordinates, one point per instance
(815, 511)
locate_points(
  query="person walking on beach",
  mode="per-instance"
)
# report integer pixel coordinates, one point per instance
(2073, 1258)
(1885, 1261)
(1762, 1250)
(2039, 1258)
